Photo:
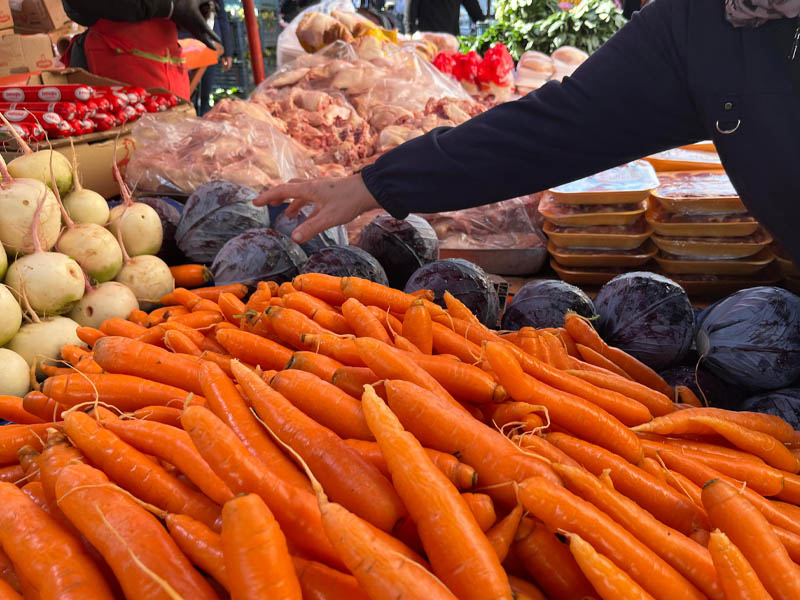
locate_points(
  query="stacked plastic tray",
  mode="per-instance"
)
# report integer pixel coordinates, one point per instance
(789, 272)
(597, 226)
(706, 239)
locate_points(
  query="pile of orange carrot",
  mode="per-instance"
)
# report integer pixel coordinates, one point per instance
(332, 439)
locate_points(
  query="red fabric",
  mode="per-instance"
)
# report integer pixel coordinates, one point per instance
(109, 46)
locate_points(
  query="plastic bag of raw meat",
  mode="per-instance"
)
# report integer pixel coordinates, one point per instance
(503, 225)
(176, 154)
(752, 338)
(289, 47)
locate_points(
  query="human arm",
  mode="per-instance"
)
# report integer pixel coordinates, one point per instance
(630, 99)
(474, 10)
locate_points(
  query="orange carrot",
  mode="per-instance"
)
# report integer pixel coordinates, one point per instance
(650, 493)
(319, 582)
(363, 322)
(89, 335)
(524, 590)
(595, 358)
(190, 276)
(12, 409)
(13, 437)
(254, 349)
(403, 344)
(562, 510)
(311, 362)
(12, 473)
(159, 315)
(439, 425)
(446, 341)
(44, 553)
(200, 544)
(482, 508)
(285, 288)
(737, 578)
(135, 472)
(251, 540)
(145, 560)
(212, 293)
(418, 327)
(583, 333)
(538, 445)
(461, 475)
(520, 414)
(161, 414)
(290, 325)
(460, 554)
(199, 319)
(375, 294)
(501, 535)
(466, 382)
(140, 317)
(352, 380)
(550, 563)
(325, 287)
(121, 327)
(188, 299)
(323, 402)
(608, 579)
(226, 402)
(750, 531)
(180, 343)
(688, 397)
(8, 592)
(585, 419)
(338, 348)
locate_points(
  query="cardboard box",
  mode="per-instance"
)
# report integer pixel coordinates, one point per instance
(37, 16)
(95, 151)
(25, 53)
(6, 22)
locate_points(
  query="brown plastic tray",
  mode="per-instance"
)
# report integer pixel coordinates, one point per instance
(738, 267)
(714, 248)
(656, 216)
(684, 159)
(603, 258)
(585, 276)
(587, 218)
(627, 184)
(720, 285)
(607, 241)
(698, 193)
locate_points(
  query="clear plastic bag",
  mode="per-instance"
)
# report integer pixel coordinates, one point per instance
(176, 154)
(289, 47)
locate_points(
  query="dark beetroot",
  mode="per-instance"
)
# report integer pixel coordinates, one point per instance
(214, 213)
(544, 304)
(465, 280)
(752, 338)
(258, 255)
(783, 403)
(401, 245)
(648, 316)
(346, 261)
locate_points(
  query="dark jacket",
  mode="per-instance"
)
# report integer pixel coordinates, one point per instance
(439, 15)
(88, 12)
(677, 73)
(222, 27)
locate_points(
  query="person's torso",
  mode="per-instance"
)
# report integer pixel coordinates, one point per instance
(439, 15)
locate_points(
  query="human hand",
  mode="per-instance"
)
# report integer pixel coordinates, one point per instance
(188, 15)
(227, 63)
(336, 202)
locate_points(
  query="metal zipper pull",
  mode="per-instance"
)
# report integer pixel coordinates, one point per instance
(795, 42)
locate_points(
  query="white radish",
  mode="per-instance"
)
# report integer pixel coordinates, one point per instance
(40, 342)
(107, 300)
(19, 203)
(10, 316)
(92, 246)
(147, 276)
(82, 205)
(16, 378)
(3, 262)
(142, 232)
(48, 282)
(36, 165)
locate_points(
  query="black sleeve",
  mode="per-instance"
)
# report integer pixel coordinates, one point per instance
(88, 12)
(224, 24)
(629, 100)
(474, 10)
(411, 15)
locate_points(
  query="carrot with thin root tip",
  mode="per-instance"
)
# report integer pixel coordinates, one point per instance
(251, 541)
(145, 560)
(465, 382)
(482, 508)
(190, 276)
(290, 326)
(662, 501)
(352, 380)
(324, 402)
(159, 315)
(610, 581)
(751, 533)
(737, 578)
(12, 409)
(327, 288)
(389, 322)
(295, 509)
(161, 414)
(14, 437)
(188, 299)
(439, 425)
(501, 535)
(232, 308)
(583, 333)
(135, 472)
(595, 358)
(418, 327)
(684, 422)
(180, 343)
(320, 582)
(402, 343)
(538, 445)
(352, 481)
(461, 475)
(254, 349)
(519, 414)
(363, 322)
(121, 327)
(12, 473)
(227, 403)
(42, 551)
(585, 419)
(28, 458)
(311, 362)
(201, 320)
(140, 317)
(459, 552)
(687, 557)
(447, 341)
(213, 292)
(688, 397)
(375, 294)
(656, 402)
(550, 563)
(175, 447)
(338, 348)
(200, 544)
(561, 510)
(89, 335)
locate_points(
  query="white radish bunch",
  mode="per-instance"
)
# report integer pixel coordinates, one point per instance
(16, 379)
(40, 342)
(82, 205)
